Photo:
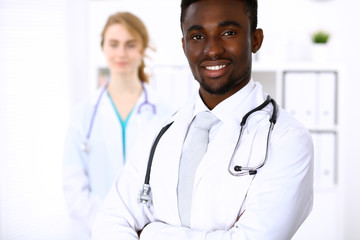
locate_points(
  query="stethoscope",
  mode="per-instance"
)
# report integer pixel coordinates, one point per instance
(145, 194)
(85, 145)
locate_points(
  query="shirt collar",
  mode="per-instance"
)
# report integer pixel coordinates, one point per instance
(226, 107)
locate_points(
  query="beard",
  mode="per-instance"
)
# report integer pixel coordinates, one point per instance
(224, 87)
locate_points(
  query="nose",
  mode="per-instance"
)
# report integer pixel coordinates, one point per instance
(213, 47)
(121, 51)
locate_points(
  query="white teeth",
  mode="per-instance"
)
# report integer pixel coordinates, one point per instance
(214, 68)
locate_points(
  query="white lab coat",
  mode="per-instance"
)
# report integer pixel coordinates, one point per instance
(87, 177)
(270, 205)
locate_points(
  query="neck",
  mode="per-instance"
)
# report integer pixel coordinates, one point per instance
(120, 84)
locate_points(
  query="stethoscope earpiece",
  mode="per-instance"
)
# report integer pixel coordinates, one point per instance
(237, 168)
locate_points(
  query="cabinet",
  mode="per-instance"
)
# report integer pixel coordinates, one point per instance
(310, 94)
(311, 97)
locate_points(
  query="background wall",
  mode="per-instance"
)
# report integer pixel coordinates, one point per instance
(49, 57)
(33, 111)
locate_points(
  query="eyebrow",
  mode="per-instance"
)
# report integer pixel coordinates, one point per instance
(128, 41)
(194, 27)
(229, 23)
(222, 24)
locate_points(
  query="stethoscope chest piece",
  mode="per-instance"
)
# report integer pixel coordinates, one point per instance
(85, 147)
(145, 195)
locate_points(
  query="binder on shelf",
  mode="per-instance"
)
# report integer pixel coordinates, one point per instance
(324, 159)
(300, 96)
(311, 98)
(327, 99)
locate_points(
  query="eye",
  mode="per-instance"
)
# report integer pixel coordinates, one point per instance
(197, 37)
(132, 44)
(229, 33)
(113, 45)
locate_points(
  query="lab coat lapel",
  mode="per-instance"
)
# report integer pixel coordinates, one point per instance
(110, 124)
(223, 146)
(214, 168)
(165, 167)
(221, 149)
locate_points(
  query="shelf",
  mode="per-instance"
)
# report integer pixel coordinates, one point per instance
(308, 91)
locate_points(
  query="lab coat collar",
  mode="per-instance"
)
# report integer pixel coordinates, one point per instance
(227, 106)
(152, 100)
(231, 112)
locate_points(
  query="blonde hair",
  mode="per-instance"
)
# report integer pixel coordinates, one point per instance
(137, 28)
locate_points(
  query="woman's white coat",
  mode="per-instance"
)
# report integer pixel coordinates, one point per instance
(88, 176)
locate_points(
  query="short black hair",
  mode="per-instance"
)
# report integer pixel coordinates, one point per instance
(252, 9)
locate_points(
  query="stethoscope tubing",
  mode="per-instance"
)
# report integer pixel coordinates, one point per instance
(145, 194)
(242, 171)
(85, 147)
(95, 110)
(152, 152)
(146, 102)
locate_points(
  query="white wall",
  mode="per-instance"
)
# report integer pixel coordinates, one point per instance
(349, 177)
(288, 25)
(33, 115)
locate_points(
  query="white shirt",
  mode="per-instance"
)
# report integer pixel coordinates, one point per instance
(269, 205)
(221, 111)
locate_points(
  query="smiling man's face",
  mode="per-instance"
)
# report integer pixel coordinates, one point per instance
(218, 43)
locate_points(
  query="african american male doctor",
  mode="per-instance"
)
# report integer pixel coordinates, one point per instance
(255, 180)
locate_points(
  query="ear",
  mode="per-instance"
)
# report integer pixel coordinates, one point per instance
(257, 39)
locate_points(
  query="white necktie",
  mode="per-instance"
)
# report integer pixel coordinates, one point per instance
(189, 161)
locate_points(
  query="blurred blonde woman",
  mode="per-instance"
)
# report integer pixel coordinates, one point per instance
(105, 127)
